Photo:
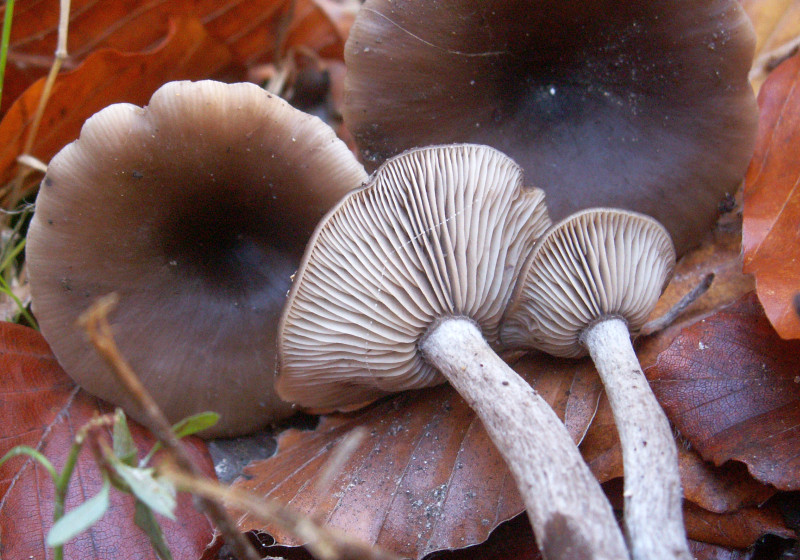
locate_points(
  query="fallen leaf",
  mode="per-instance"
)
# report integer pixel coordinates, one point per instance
(734, 530)
(249, 28)
(425, 478)
(42, 408)
(719, 254)
(724, 489)
(771, 238)
(730, 384)
(105, 77)
(601, 447)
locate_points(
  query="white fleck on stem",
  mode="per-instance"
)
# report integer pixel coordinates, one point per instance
(653, 514)
(571, 516)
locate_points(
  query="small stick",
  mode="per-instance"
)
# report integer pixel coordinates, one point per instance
(661, 323)
(324, 543)
(95, 321)
(60, 55)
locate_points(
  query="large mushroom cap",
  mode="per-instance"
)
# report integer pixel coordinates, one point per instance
(595, 264)
(438, 232)
(641, 105)
(195, 210)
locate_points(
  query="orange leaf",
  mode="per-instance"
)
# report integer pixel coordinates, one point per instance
(771, 238)
(42, 408)
(724, 489)
(249, 28)
(425, 478)
(106, 77)
(730, 385)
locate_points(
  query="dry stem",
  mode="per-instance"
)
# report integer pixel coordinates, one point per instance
(324, 543)
(661, 323)
(95, 321)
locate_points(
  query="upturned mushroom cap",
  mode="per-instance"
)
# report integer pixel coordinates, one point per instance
(595, 264)
(437, 232)
(195, 210)
(639, 104)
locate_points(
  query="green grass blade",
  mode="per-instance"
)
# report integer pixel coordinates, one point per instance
(9, 14)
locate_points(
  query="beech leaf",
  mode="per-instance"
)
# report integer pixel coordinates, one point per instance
(425, 478)
(729, 384)
(770, 238)
(42, 408)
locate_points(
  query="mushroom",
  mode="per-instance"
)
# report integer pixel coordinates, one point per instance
(399, 286)
(195, 210)
(640, 105)
(588, 286)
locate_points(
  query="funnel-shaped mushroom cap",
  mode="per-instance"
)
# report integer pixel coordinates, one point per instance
(195, 210)
(438, 232)
(596, 263)
(639, 104)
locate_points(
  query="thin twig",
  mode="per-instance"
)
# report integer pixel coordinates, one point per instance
(95, 321)
(324, 543)
(669, 317)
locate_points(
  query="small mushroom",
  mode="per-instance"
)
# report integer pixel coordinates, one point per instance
(588, 286)
(195, 210)
(639, 104)
(399, 286)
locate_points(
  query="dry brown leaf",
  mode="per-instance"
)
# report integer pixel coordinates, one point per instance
(105, 77)
(735, 530)
(601, 447)
(730, 385)
(42, 408)
(249, 28)
(771, 240)
(724, 489)
(425, 478)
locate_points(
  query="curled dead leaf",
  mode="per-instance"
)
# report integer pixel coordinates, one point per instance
(770, 238)
(729, 384)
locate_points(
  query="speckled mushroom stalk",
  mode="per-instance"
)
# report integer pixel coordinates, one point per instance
(195, 210)
(588, 286)
(641, 104)
(403, 286)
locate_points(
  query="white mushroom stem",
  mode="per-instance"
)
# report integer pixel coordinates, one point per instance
(653, 514)
(571, 516)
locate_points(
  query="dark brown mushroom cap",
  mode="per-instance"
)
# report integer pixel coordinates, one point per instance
(437, 232)
(639, 104)
(195, 210)
(597, 263)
